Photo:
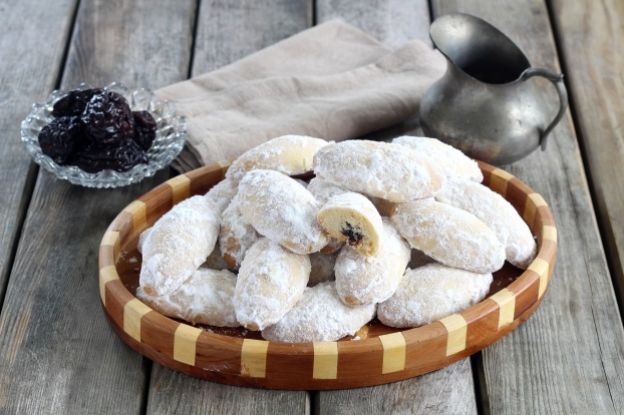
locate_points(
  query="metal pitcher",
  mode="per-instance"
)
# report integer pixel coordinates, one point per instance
(483, 104)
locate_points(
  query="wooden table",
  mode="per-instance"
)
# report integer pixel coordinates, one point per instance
(57, 352)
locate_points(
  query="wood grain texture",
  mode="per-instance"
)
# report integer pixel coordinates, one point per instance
(569, 358)
(447, 391)
(32, 43)
(394, 22)
(226, 32)
(57, 352)
(176, 393)
(590, 34)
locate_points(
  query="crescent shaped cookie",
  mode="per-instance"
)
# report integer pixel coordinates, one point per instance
(236, 235)
(322, 267)
(497, 213)
(205, 298)
(177, 244)
(282, 210)
(288, 154)
(430, 293)
(320, 316)
(389, 171)
(222, 193)
(353, 218)
(451, 161)
(271, 280)
(449, 235)
(371, 279)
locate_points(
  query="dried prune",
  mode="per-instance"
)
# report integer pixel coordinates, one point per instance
(121, 157)
(60, 137)
(144, 129)
(74, 103)
(108, 119)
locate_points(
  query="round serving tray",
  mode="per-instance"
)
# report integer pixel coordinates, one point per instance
(377, 355)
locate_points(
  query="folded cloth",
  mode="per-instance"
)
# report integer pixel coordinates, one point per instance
(331, 81)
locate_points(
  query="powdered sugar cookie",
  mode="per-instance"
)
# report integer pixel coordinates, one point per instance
(371, 279)
(282, 210)
(204, 298)
(320, 316)
(430, 293)
(451, 161)
(177, 245)
(222, 193)
(389, 171)
(449, 235)
(353, 218)
(271, 280)
(497, 213)
(323, 190)
(235, 236)
(288, 154)
(322, 267)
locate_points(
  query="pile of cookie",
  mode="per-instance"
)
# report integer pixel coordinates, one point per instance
(315, 261)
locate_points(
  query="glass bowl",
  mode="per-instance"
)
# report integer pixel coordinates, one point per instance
(170, 138)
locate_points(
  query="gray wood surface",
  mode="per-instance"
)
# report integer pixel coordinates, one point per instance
(392, 21)
(450, 390)
(230, 30)
(569, 357)
(57, 352)
(30, 61)
(227, 31)
(590, 33)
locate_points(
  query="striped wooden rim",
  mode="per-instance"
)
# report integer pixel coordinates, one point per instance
(319, 365)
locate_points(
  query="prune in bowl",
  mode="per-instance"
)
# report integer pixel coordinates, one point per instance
(138, 154)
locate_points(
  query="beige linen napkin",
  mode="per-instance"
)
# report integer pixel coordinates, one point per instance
(331, 81)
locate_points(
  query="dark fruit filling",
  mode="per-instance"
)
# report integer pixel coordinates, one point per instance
(108, 119)
(144, 128)
(96, 130)
(74, 102)
(353, 234)
(121, 158)
(59, 138)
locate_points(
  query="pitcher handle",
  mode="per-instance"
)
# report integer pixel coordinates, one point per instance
(557, 81)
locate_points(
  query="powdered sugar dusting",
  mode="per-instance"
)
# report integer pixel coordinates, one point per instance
(450, 161)
(370, 279)
(497, 213)
(430, 293)
(236, 235)
(449, 235)
(288, 154)
(205, 298)
(320, 316)
(222, 193)
(177, 245)
(388, 171)
(282, 210)
(271, 280)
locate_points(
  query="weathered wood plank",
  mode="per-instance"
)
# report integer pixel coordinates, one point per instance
(569, 357)
(447, 391)
(30, 62)
(226, 32)
(590, 34)
(393, 21)
(172, 392)
(450, 390)
(57, 352)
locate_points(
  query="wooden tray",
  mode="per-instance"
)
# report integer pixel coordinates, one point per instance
(382, 354)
